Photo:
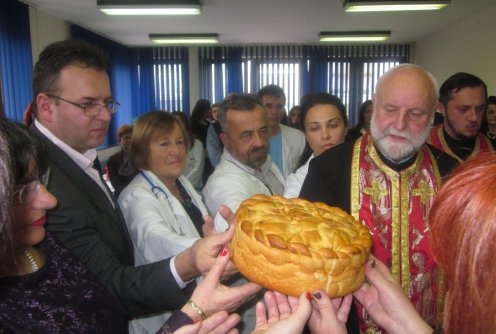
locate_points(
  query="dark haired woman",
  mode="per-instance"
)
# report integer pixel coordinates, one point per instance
(324, 122)
(44, 288)
(363, 125)
(488, 127)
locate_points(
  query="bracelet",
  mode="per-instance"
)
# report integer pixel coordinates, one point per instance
(197, 309)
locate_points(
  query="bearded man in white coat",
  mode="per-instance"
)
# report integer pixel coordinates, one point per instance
(245, 169)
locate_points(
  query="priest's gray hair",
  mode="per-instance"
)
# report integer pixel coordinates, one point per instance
(432, 79)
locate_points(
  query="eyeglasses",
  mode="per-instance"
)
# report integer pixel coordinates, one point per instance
(91, 109)
(28, 192)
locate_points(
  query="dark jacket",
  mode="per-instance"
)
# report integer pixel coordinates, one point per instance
(87, 224)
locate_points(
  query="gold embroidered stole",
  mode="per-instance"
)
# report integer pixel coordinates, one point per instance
(395, 206)
(436, 138)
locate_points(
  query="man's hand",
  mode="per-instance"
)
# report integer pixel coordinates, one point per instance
(199, 258)
(208, 227)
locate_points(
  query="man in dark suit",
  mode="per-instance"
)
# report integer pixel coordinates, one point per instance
(73, 110)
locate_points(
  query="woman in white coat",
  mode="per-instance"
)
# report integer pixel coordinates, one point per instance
(163, 212)
(195, 161)
(325, 123)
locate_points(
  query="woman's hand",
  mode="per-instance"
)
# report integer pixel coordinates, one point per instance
(211, 296)
(218, 323)
(329, 315)
(386, 303)
(282, 314)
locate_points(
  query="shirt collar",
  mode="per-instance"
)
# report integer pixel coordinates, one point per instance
(263, 169)
(83, 160)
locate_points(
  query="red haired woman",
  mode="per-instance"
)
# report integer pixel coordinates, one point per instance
(464, 243)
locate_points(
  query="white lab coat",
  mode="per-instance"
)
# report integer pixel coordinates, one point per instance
(231, 183)
(195, 163)
(295, 180)
(159, 228)
(293, 144)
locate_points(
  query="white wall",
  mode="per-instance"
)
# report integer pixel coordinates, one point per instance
(45, 29)
(464, 46)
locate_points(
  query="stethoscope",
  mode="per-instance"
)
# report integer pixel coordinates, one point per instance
(156, 190)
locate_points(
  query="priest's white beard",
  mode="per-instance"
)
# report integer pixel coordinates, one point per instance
(396, 151)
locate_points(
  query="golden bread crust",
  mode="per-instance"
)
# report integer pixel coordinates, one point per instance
(293, 246)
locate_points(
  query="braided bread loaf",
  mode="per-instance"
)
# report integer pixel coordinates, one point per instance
(293, 246)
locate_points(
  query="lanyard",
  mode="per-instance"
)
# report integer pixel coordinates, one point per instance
(265, 184)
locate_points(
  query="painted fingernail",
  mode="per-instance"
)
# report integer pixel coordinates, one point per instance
(224, 251)
(373, 264)
(308, 295)
(317, 295)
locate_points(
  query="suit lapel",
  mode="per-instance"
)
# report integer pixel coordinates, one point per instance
(60, 160)
(80, 178)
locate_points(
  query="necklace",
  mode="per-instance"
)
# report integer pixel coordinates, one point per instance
(31, 260)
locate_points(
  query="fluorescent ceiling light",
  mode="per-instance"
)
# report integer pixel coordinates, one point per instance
(354, 36)
(392, 5)
(149, 7)
(181, 39)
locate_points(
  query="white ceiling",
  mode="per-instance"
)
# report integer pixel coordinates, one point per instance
(262, 21)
